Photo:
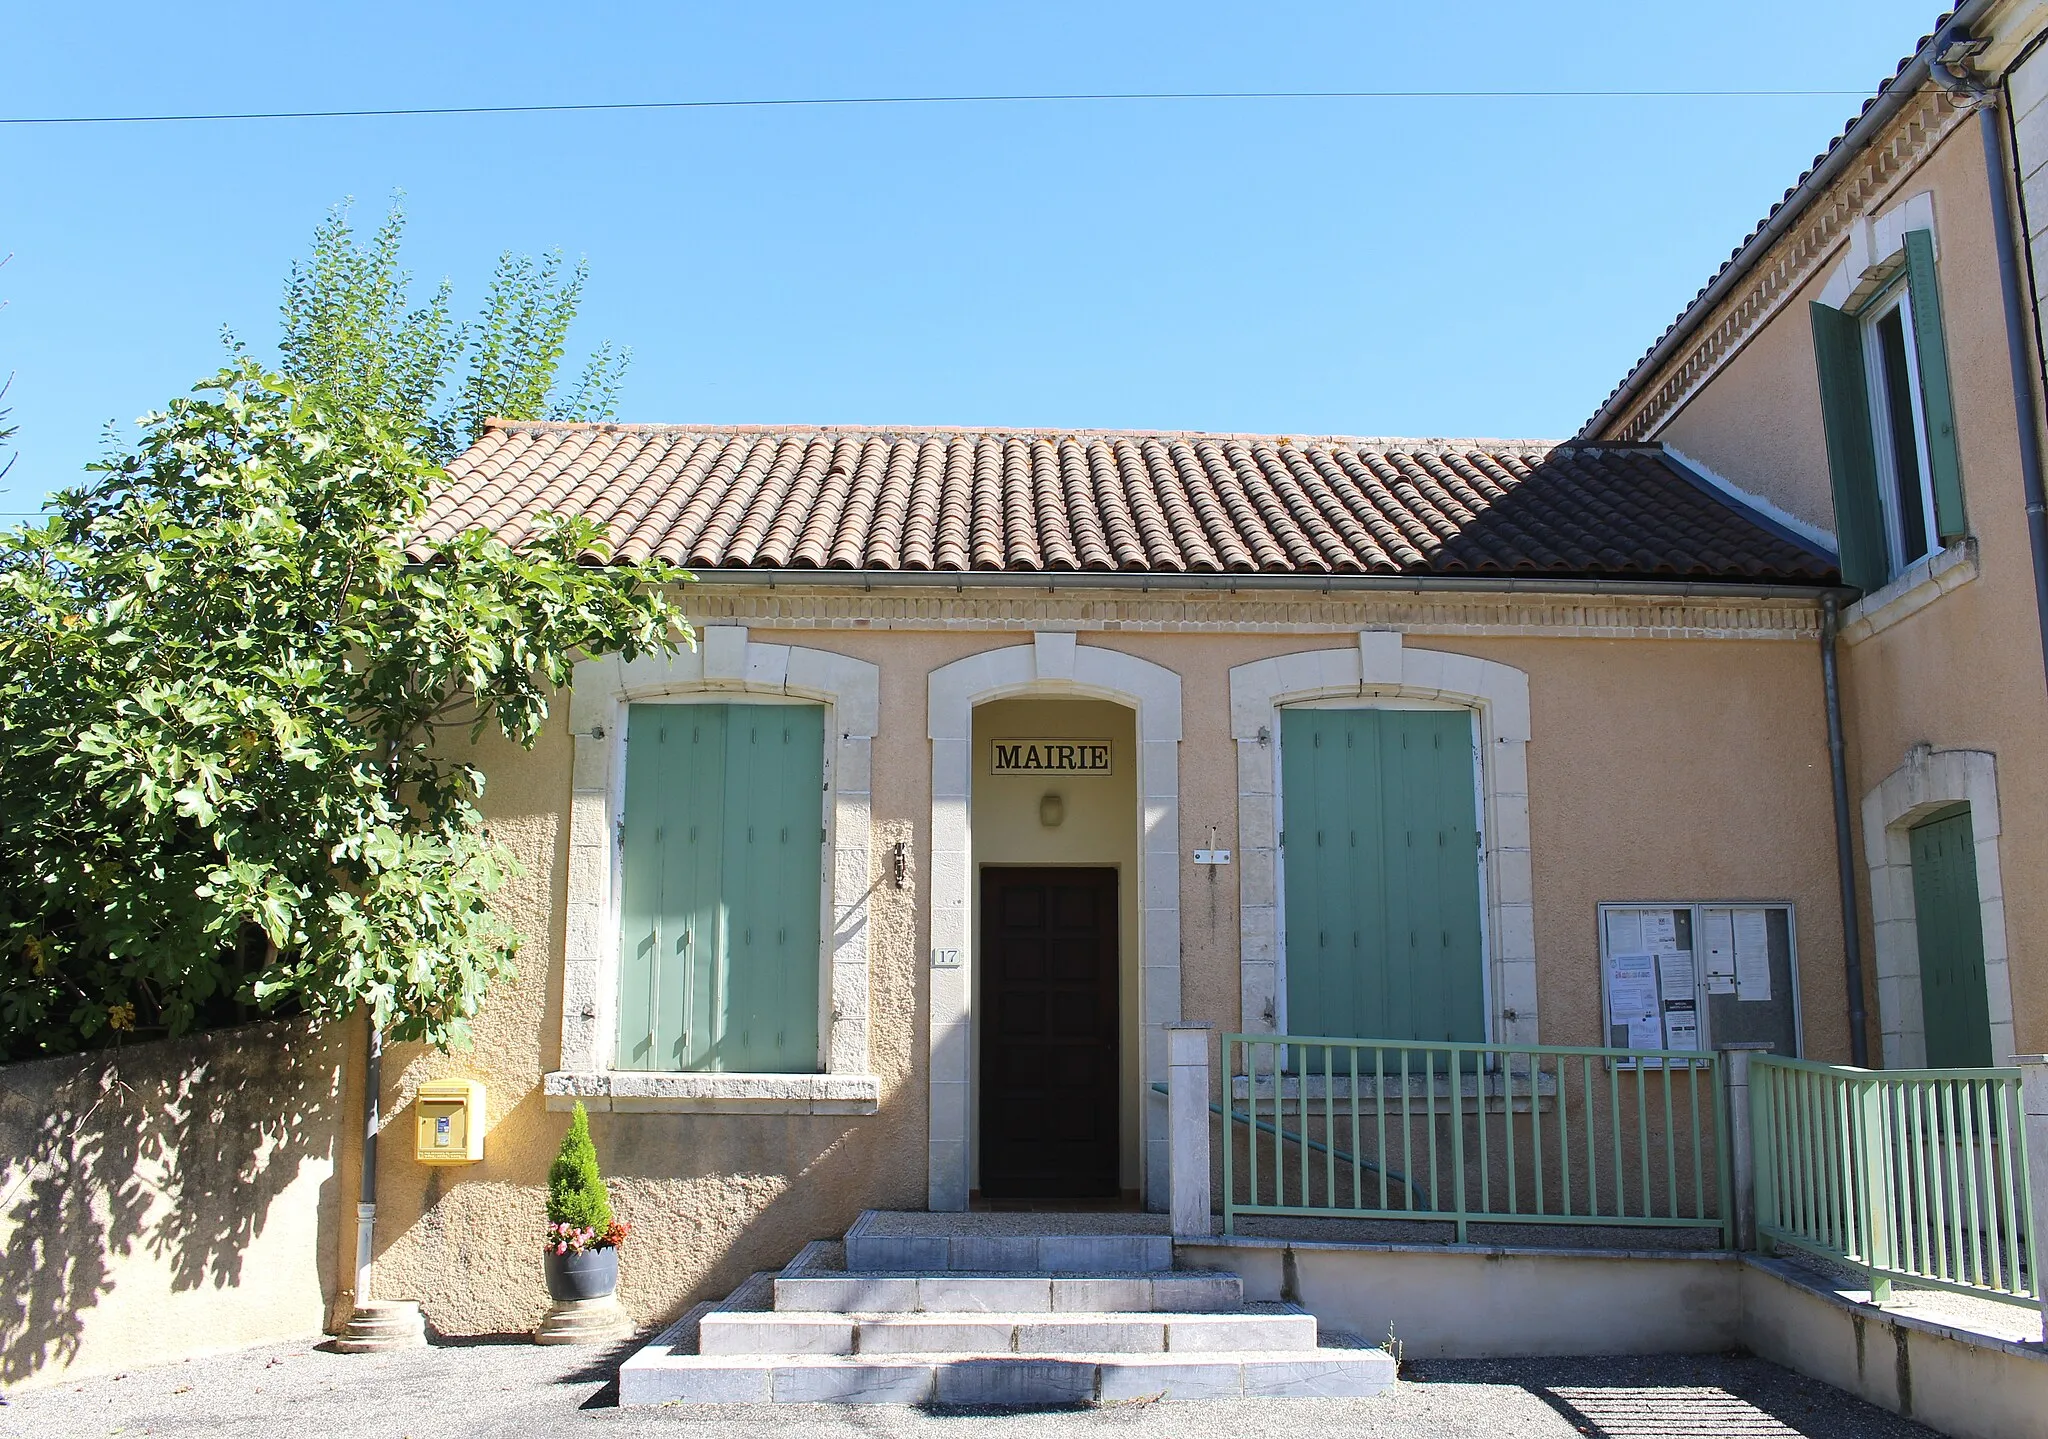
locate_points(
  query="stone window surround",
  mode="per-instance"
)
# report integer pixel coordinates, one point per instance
(1877, 250)
(1928, 781)
(1916, 587)
(724, 662)
(1381, 666)
(1053, 664)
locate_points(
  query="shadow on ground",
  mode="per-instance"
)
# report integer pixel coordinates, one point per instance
(1678, 1397)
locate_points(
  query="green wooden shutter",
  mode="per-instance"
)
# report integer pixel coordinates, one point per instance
(1955, 1008)
(640, 886)
(1937, 400)
(1382, 875)
(773, 846)
(720, 876)
(697, 794)
(1852, 458)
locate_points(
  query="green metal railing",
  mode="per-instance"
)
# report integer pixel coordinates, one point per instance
(1326, 1127)
(1917, 1175)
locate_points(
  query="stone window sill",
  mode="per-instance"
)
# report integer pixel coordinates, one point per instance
(1919, 585)
(628, 1091)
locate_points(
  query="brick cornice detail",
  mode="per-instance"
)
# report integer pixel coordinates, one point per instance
(1785, 268)
(1256, 612)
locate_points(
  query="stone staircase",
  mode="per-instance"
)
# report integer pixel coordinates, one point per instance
(993, 1309)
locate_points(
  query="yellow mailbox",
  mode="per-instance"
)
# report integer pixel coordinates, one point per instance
(451, 1122)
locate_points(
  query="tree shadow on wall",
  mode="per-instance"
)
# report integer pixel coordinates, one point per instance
(173, 1150)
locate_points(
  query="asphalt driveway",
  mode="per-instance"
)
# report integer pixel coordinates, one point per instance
(513, 1390)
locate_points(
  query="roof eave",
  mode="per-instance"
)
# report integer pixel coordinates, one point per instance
(1147, 580)
(1901, 90)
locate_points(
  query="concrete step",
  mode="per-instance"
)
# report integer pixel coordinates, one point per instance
(1180, 1292)
(659, 1376)
(881, 1243)
(1282, 1327)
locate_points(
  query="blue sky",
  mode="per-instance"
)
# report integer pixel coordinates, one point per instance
(1443, 266)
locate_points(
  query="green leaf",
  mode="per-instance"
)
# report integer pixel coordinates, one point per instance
(236, 724)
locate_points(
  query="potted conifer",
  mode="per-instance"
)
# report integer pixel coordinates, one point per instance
(581, 1254)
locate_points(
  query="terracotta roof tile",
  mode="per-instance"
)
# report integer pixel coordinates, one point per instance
(853, 498)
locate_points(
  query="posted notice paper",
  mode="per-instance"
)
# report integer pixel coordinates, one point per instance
(1674, 973)
(1632, 999)
(1719, 946)
(1752, 956)
(1624, 931)
(1681, 1024)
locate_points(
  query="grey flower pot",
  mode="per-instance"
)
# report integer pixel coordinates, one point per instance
(591, 1275)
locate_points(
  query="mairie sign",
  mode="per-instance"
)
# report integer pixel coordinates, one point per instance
(1052, 756)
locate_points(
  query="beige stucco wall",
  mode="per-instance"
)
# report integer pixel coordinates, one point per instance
(169, 1199)
(1966, 671)
(1100, 827)
(1682, 769)
(711, 1197)
(1758, 422)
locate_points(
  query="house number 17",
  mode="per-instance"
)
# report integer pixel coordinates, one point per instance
(945, 959)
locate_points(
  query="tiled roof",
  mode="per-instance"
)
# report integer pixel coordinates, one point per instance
(1035, 500)
(1694, 311)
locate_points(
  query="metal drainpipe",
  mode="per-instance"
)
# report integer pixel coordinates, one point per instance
(2016, 353)
(1845, 848)
(366, 1209)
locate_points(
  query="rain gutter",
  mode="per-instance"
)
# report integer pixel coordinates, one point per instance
(1153, 581)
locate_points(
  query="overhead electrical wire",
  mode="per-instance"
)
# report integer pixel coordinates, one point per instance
(800, 102)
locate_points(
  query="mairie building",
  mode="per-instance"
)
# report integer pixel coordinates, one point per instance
(1013, 773)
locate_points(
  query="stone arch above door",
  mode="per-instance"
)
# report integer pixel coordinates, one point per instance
(1379, 665)
(1930, 781)
(1052, 664)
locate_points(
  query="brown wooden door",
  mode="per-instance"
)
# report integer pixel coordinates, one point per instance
(1049, 1033)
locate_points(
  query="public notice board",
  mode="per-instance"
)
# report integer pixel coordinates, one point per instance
(1690, 976)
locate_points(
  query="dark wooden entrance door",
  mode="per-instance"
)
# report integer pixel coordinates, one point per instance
(1049, 1033)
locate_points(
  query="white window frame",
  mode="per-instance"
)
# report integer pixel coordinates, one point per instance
(1380, 667)
(724, 666)
(1895, 300)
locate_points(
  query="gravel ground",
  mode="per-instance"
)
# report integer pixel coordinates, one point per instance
(515, 1389)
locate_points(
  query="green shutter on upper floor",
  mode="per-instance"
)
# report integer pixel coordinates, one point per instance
(1852, 457)
(720, 888)
(1937, 399)
(1382, 874)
